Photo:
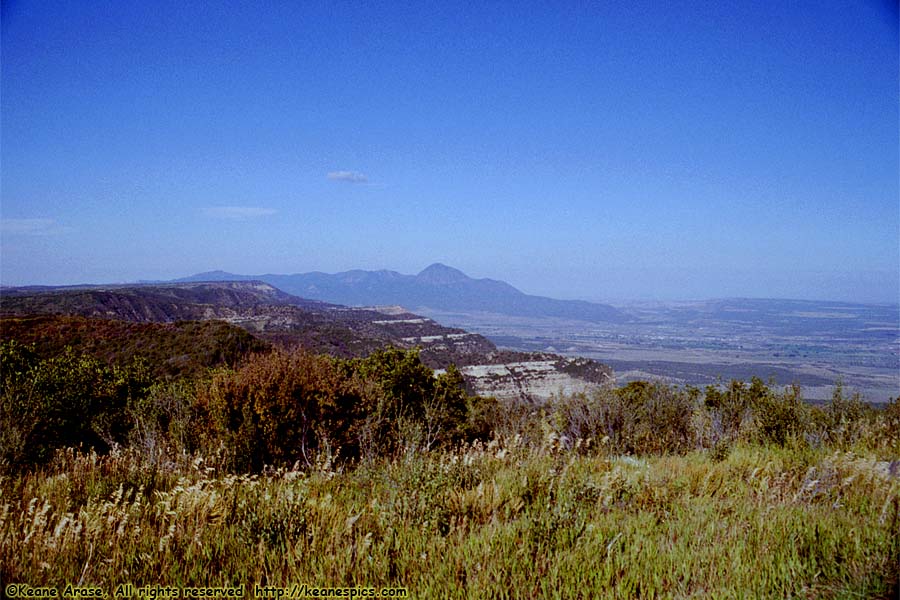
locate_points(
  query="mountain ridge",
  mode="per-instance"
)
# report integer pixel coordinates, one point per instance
(437, 287)
(261, 309)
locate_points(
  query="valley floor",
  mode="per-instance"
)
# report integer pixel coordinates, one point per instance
(813, 344)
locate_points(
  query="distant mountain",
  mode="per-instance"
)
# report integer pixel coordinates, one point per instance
(438, 287)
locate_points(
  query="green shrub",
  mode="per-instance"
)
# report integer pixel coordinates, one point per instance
(577, 417)
(781, 418)
(166, 419)
(67, 400)
(280, 408)
(447, 413)
(732, 407)
(845, 418)
(413, 408)
(889, 430)
(639, 418)
(404, 382)
(662, 419)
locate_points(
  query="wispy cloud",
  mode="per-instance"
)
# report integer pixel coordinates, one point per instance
(32, 227)
(238, 213)
(348, 177)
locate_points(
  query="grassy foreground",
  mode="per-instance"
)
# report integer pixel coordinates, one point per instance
(383, 478)
(502, 520)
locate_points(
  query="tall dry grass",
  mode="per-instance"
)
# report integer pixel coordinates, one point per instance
(504, 519)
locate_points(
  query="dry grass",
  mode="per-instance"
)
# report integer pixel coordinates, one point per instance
(505, 519)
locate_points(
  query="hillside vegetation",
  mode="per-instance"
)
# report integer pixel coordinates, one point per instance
(293, 468)
(183, 348)
(273, 318)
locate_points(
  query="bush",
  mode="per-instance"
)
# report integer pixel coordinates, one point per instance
(67, 400)
(845, 418)
(731, 408)
(280, 408)
(888, 431)
(580, 417)
(166, 419)
(414, 409)
(639, 418)
(781, 418)
(661, 418)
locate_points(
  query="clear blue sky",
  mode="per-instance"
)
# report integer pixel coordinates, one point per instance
(575, 149)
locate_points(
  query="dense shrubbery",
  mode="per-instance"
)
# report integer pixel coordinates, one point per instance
(285, 408)
(278, 408)
(281, 408)
(67, 400)
(170, 350)
(653, 419)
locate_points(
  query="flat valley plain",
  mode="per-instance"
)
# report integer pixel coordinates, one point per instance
(810, 343)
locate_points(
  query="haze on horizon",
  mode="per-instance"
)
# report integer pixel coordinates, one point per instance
(608, 151)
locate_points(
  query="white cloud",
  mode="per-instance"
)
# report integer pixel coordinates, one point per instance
(348, 177)
(32, 227)
(238, 213)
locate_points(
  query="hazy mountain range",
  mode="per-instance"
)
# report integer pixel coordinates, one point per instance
(437, 287)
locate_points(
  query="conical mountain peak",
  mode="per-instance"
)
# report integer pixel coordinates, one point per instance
(441, 274)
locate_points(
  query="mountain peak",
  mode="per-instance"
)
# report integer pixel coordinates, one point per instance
(210, 276)
(441, 274)
(438, 287)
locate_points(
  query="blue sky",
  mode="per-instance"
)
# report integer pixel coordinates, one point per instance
(597, 150)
